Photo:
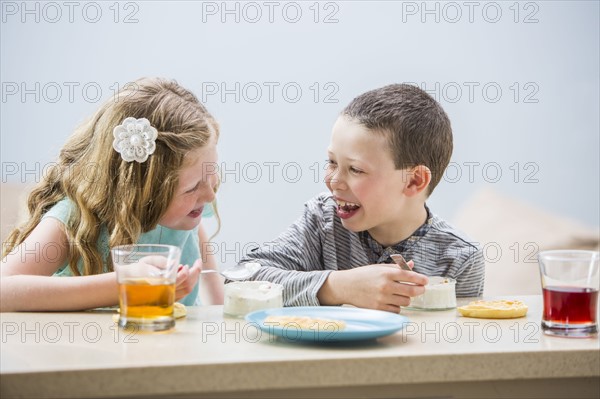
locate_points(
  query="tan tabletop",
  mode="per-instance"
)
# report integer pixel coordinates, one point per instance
(437, 354)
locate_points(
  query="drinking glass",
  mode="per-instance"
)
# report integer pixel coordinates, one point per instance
(146, 275)
(570, 283)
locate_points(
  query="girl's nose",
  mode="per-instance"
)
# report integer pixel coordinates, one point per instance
(208, 194)
(209, 186)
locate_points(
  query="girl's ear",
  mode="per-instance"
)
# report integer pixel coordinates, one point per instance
(419, 178)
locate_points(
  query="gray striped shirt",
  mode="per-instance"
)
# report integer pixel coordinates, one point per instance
(302, 257)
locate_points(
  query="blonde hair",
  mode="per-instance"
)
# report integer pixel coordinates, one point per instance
(127, 198)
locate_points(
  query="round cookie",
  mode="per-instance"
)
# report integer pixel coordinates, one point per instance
(499, 309)
(179, 310)
(305, 322)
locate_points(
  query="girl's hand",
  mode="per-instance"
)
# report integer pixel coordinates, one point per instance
(187, 277)
(381, 287)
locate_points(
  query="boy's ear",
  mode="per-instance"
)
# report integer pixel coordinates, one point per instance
(419, 178)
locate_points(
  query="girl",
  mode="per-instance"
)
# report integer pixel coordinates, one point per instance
(140, 170)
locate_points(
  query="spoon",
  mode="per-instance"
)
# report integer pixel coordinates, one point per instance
(399, 260)
(243, 271)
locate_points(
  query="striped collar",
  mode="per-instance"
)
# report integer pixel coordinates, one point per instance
(377, 253)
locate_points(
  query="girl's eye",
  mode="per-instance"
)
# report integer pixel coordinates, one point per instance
(354, 170)
(193, 189)
(330, 163)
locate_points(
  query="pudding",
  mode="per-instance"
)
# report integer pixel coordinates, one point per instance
(439, 294)
(243, 297)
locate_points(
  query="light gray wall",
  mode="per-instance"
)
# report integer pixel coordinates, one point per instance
(547, 53)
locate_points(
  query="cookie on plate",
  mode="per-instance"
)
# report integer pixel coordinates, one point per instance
(305, 322)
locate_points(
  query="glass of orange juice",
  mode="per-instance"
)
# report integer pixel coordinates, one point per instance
(146, 275)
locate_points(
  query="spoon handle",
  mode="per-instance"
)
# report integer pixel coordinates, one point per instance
(209, 271)
(399, 260)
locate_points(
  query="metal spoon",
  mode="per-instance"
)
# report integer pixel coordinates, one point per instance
(242, 271)
(399, 260)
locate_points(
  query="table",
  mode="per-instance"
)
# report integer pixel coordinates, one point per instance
(83, 354)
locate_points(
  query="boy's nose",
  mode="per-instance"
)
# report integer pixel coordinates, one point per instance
(334, 181)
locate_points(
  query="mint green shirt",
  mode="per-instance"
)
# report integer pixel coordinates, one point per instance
(187, 240)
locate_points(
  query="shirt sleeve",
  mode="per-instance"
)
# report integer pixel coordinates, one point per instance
(61, 211)
(469, 283)
(295, 258)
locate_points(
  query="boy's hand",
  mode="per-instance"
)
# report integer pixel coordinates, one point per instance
(187, 277)
(381, 287)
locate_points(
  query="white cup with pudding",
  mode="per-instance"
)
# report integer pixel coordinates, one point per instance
(440, 294)
(243, 297)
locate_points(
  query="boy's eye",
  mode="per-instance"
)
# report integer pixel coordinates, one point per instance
(354, 170)
(330, 163)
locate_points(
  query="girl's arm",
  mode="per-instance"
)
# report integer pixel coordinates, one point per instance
(43, 293)
(26, 283)
(211, 284)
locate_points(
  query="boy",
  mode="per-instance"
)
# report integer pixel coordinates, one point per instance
(389, 149)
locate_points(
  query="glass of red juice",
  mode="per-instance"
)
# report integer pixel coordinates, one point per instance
(570, 282)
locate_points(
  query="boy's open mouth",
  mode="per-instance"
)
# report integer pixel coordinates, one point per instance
(346, 209)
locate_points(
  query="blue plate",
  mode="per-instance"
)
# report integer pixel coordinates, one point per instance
(361, 324)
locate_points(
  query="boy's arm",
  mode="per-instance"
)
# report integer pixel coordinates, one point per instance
(295, 259)
(469, 282)
(378, 286)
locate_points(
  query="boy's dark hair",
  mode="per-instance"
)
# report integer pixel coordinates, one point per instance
(417, 127)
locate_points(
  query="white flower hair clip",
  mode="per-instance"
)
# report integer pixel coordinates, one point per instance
(135, 139)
